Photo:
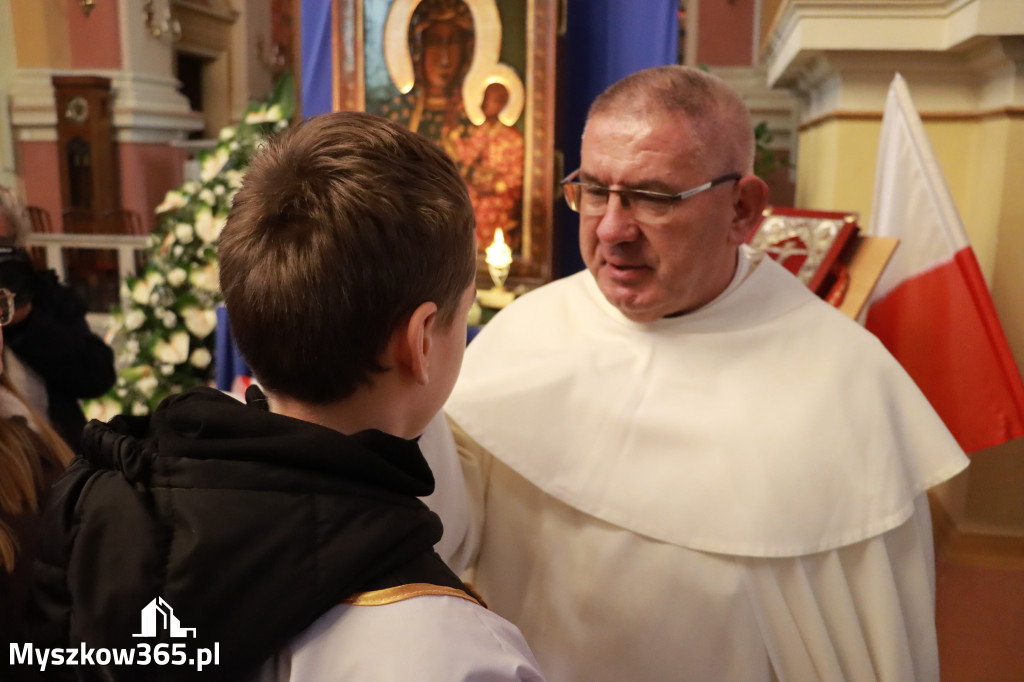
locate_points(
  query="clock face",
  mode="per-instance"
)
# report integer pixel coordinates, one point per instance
(77, 110)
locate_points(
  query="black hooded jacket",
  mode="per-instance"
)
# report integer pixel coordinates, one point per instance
(250, 525)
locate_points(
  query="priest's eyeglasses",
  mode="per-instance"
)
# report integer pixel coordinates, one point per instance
(6, 307)
(646, 206)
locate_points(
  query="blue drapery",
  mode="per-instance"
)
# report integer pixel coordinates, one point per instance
(317, 74)
(604, 41)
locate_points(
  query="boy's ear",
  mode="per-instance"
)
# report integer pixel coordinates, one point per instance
(412, 341)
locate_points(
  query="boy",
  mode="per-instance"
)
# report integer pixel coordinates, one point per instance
(283, 539)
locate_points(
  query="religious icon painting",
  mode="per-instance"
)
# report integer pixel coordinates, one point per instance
(477, 77)
(816, 246)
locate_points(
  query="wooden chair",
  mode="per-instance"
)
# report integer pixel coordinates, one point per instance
(39, 218)
(79, 221)
(121, 221)
(91, 273)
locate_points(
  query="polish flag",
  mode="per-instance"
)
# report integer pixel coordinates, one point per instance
(931, 308)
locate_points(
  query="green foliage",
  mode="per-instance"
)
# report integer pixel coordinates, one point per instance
(766, 160)
(164, 329)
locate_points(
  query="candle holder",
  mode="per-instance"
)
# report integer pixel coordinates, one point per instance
(498, 257)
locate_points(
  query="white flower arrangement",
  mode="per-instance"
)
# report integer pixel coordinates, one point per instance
(163, 331)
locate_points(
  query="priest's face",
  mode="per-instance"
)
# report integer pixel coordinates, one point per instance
(649, 271)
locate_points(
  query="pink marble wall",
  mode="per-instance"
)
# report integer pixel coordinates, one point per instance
(95, 40)
(725, 33)
(147, 172)
(39, 169)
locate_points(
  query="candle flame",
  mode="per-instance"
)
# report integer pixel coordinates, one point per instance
(498, 254)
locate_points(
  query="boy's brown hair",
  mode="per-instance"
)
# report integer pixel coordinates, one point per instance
(342, 227)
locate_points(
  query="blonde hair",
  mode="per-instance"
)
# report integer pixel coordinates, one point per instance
(25, 452)
(13, 213)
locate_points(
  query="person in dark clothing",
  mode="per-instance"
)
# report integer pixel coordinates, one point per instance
(32, 455)
(275, 539)
(49, 334)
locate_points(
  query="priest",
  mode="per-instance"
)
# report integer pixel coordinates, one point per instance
(681, 463)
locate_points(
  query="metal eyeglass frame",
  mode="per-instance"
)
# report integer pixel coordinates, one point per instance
(569, 188)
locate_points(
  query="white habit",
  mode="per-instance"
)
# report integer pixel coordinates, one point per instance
(733, 494)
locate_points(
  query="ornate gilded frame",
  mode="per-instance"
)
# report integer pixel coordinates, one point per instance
(532, 264)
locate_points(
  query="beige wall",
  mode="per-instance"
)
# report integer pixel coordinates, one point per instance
(48, 27)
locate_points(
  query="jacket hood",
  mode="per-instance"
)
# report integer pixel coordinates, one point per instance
(250, 525)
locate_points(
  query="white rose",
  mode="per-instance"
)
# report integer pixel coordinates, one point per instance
(212, 164)
(173, 351)
(201, 358)
(198, 321)
(234, 178)
(140, 409)
(127, 357)
(172, 200)
(94, 410)
(170, 319)
(177, 251)
(226, 133)
(146, 385)
(209, 226)
(219, 190)
(177, 277)
(184, 233)
(141, 292)
(207, 196)
(205, 277)
(133, 319)
(190, 187)
(257, 116)
(167, 370)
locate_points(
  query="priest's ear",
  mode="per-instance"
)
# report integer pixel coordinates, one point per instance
(750, 196)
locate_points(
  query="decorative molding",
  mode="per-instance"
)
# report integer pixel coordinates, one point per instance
(777, 107)
(805, 29)
(988, 75)
(932, 116)
(145, 108)
(205, 28)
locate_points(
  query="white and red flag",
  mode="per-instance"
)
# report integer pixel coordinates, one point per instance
(931, 308)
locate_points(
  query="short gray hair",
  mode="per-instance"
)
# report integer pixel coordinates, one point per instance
(716, 112)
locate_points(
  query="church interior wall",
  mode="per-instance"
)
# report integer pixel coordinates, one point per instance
(147, 171)
(39, 160)
(49, 46)
(836, 168)
(962, 61)
(95, 42)
(726, 33)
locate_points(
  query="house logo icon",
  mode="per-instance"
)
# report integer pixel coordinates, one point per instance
(158, 614)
